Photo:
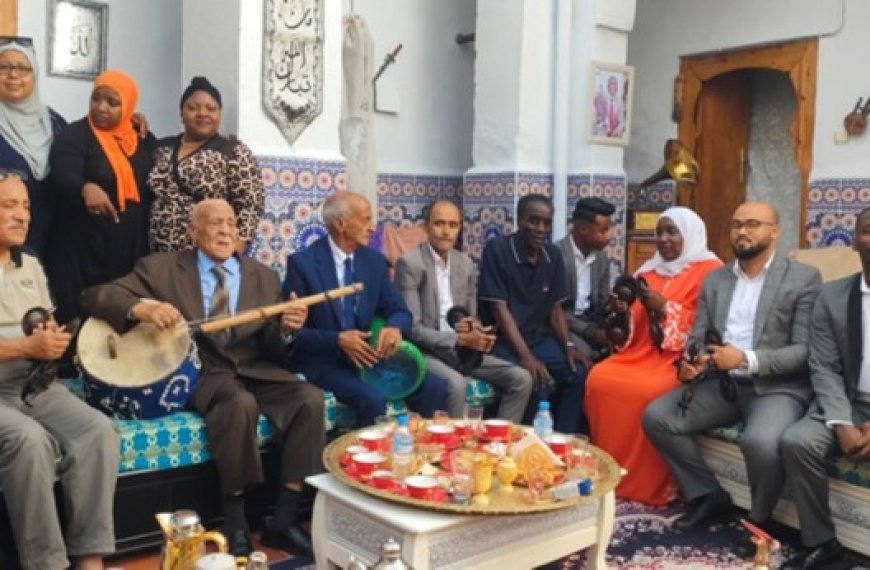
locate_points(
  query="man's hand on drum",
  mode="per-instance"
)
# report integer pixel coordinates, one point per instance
(293, 318)
(47, 342)
(388, 341)
(162, 315)
(355, 345)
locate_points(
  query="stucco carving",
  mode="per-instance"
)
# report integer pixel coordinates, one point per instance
(293, 64)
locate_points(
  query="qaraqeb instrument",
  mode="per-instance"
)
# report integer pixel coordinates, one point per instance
(148, 372)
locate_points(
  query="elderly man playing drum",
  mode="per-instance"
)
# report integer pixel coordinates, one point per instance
(240, 375)
(30, 434)
(336, 341)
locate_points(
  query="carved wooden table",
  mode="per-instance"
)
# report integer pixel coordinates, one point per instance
(349, 522)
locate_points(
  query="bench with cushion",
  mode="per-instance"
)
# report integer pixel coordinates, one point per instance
(849, 483)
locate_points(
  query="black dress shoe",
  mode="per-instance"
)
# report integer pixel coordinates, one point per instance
(292, 539)
(713, 508)
(238, 542)
(827, 556)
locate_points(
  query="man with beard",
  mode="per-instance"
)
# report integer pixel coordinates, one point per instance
(838, 422)
(522, 286)
(761, 303)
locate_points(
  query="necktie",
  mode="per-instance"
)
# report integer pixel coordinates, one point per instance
(348, 316)
(220, 304)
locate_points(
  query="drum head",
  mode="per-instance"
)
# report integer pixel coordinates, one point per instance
(398, 376)
(145, 354)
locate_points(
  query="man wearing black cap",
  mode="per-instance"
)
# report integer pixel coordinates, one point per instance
(588, 271)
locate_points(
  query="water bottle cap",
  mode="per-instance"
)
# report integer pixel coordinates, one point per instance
(403, 420)
(544, 405)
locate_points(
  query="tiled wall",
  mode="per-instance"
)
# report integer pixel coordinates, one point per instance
(832, 206)
(296, 188)
(660, 196)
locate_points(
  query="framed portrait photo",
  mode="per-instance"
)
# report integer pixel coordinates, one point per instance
(610, 103)
(77, 31)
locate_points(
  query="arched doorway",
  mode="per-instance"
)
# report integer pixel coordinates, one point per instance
(715, 127)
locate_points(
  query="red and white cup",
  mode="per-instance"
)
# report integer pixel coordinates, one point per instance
(441, 433)
(421, 486)
(368, 462)
(496, 429)
(560, 444)
(383, 479)
(374, 440)
(463, 429)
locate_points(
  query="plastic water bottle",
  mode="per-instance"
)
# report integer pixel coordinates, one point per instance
(403, 449)
(573, 488)
(543, 422)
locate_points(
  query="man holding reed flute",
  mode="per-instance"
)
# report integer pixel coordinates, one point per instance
(241, 373)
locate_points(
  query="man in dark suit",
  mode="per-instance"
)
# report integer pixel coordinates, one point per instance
(240, 374)
(839, 420)
(761, 304)
(434, 277)
(334, 343)
(588, 271)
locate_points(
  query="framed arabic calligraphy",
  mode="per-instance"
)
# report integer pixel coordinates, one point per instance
(293, 64)
(77, 31)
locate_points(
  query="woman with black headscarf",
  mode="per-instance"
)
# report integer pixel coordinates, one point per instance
(198, 164)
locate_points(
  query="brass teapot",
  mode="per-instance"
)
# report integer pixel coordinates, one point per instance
(184, 540)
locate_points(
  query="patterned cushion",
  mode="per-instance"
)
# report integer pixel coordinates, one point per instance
(838, 467)
(179, 440)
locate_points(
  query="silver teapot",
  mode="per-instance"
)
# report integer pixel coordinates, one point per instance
(391, 557)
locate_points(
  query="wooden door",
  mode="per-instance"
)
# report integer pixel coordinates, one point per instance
(722, 118)
(698, 73)
(8, 17)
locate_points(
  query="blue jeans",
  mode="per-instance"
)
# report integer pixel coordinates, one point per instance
(565, 394)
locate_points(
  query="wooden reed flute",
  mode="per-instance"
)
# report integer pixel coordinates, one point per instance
(264, 313)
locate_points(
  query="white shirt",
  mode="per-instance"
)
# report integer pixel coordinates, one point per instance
(864, 378)
(741, 314)
(338, 257)
(445, 296)
(583, 269)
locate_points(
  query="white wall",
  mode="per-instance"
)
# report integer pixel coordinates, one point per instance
(668, 29)
(497, 80)
(433, 77)
(599, 33)
(144, 41)
(210, 47)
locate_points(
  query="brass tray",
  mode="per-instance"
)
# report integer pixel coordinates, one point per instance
(499, 502)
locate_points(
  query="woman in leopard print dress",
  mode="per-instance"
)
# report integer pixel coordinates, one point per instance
(200, 164)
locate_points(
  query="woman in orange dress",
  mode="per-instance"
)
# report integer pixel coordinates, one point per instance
(619, 388)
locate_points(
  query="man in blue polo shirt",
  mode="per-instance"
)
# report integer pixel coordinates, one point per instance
(522, 286)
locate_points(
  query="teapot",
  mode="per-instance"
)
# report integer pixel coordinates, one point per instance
(185, 539)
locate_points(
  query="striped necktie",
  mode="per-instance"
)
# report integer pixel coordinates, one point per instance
(220, 304)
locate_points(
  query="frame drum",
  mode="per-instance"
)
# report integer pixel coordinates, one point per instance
(400, 375)
(141, 374)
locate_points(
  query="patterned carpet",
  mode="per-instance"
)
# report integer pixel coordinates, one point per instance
(643, 539)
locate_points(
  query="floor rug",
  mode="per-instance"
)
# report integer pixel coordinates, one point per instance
(296, 563)
(643, 539)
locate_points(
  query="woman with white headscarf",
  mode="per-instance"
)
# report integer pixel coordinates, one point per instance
(619, 388)
(27, 130)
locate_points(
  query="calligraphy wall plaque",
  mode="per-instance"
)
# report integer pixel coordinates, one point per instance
(293, 64)
(77, 38)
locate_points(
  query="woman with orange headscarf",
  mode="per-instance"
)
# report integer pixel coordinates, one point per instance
(99, 169)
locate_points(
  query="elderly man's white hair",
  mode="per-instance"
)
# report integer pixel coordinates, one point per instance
(337, 206)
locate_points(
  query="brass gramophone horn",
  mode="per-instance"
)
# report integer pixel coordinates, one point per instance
(679, 165)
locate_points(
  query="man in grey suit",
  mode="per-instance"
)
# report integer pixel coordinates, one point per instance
(588, 272)
(432, 278)
(839, 419)
(761, 304)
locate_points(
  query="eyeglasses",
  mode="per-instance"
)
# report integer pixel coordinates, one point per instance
(11, 173)
(8, 68)
(750, 225)
(23, 41)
